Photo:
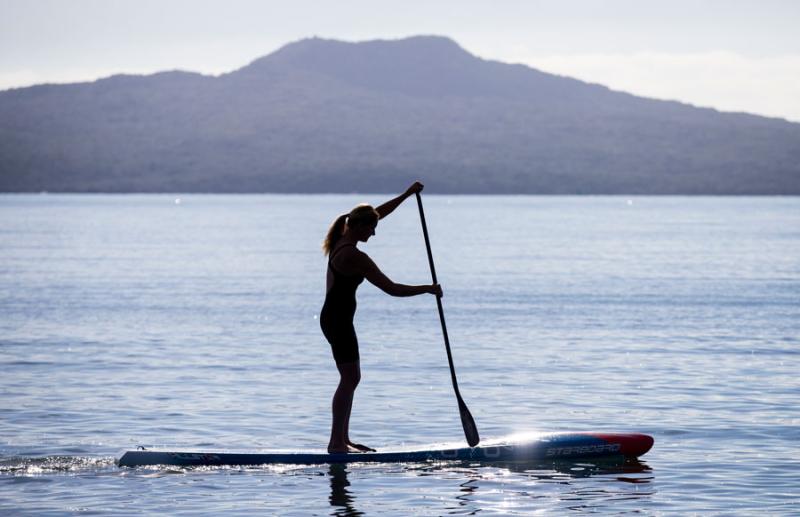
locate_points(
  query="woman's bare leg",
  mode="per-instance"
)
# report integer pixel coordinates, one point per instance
(349, 377)
(357, 446)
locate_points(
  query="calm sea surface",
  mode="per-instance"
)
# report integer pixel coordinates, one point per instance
(192, 323)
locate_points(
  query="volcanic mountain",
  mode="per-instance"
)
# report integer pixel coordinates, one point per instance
(329, 116)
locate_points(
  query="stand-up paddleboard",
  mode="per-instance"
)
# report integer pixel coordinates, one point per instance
(540, 447)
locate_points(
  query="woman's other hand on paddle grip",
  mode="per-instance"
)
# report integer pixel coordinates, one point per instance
(415, 188)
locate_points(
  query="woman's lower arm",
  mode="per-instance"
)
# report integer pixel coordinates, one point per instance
(410, 290)
(388, 207)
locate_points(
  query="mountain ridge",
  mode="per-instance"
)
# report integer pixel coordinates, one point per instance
(322, 115)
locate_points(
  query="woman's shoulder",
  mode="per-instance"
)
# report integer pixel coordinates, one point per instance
(349, 254)
(346, 251)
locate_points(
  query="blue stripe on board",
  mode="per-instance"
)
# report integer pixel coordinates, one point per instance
(553, 446)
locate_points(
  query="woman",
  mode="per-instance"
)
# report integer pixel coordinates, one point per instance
(347, 268)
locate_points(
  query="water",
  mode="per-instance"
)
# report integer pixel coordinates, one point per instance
(192, 322)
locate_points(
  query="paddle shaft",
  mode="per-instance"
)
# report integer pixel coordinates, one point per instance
(438, 299)
(470, 430)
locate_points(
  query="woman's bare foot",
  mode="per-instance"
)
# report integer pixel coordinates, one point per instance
(361, 448)
(345, 449)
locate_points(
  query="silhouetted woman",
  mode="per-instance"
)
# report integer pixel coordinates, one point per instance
(347, 268)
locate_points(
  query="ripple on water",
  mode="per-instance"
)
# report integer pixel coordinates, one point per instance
(126, 322)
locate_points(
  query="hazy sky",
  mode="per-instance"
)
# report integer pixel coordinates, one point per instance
(733, 55)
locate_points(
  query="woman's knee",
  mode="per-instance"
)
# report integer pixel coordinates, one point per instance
(350, 374)
(352, 379)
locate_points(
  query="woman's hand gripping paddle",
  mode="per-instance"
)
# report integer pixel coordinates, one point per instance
(470, 430)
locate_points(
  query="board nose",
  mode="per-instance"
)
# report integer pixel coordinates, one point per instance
(631, 444)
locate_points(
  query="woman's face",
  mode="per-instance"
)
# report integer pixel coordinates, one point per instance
(366, 231)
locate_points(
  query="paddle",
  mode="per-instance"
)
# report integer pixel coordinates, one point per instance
(470, 430)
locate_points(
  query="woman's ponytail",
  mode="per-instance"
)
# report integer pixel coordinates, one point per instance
(334, 233)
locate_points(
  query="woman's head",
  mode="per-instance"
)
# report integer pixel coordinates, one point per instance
(361, 220)
(362, 216)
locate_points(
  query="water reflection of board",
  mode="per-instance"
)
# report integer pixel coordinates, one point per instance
(515, 448)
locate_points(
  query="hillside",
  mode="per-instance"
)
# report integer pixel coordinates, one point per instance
(327, 116)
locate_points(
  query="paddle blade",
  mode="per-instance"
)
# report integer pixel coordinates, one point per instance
(470, 429)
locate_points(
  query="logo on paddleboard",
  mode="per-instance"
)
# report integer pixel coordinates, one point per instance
(196, 457)
(582, 450)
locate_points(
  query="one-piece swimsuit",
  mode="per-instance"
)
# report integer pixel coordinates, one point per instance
(336, 318)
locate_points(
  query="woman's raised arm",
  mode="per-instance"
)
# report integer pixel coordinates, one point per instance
(388, 207)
